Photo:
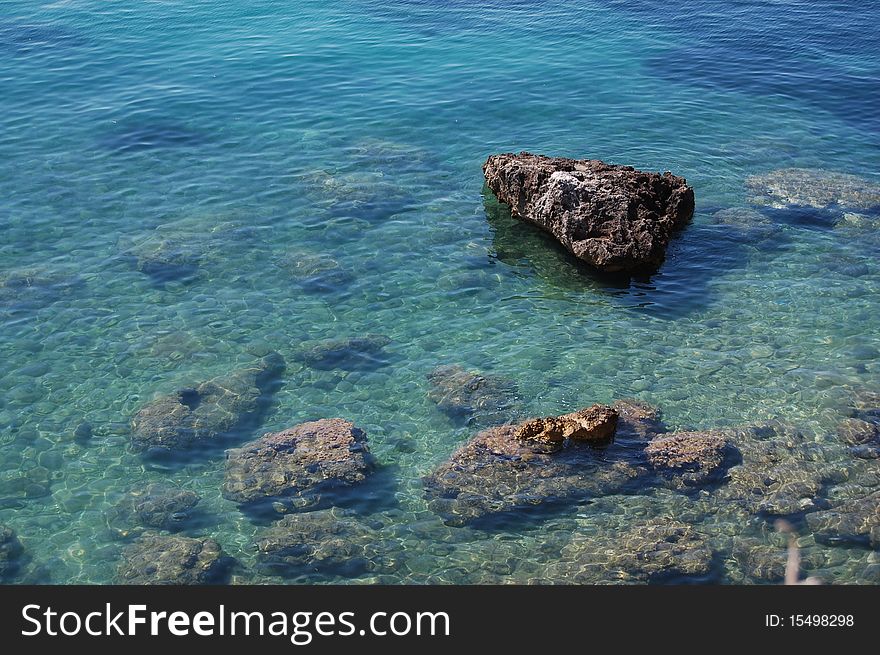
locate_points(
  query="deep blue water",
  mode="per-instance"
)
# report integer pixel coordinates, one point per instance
(256, 134)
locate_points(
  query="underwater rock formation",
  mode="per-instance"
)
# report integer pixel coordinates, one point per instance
(747, 223)
(172, 560)
(496, 473)
(165, 259)
(302, 465)
(820, 189)
(350, 354)
(615, 218)
(637, 420)
(316, 273)
(35, 287)
(472, 397)
(862, 431)
(158, 505)
(363, 195)
(177, 250)
(202, 416)
(761, 561)
(11, 551)
(689, 459)
(326, 541)
(857, 519)
(857, 432)
(652, 550)
(782, 471)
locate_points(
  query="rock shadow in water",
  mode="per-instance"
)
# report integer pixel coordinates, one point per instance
(696, 256)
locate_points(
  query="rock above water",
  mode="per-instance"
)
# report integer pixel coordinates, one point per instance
(497, 473)
(472, 397)
(350, 354)
(305, 462)
(594, 424)
(808, 187)
(689, 459)
(852, 520)
(171, 560)
(158, 505)
(203, 415)
(612, 217)
(325, 541)
(11, 551)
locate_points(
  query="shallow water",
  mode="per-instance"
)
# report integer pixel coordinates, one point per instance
(253, 134)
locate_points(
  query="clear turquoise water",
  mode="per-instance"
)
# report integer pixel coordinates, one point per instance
(256, 131)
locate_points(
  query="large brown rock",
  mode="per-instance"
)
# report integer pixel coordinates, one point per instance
(612, 217)
(596, 424)
(301, 464)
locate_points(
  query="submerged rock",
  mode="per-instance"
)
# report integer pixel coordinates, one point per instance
(11, 552)
(165, 259)
(472, 397)
(202, 416)
(351, 354)
(816, 188)
(172, 560)
(782, 471)
(747, 222)
(178, 249)
(637, 420)
(158, 505)
(34, 287)
(852, 520)
(497, 473)
(302, 465)
(856, 432)
(612, 217)
(760, 560)
(316, 273)
(326, 541)
(862, 431)
(866, 405)
(654, 550)
(766, 562)
(689, 459)
(364, 195)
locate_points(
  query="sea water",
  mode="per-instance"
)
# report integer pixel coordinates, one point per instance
(254, 135)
